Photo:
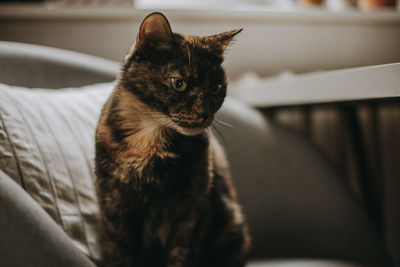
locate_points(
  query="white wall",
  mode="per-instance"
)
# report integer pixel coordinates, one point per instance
(271, 41)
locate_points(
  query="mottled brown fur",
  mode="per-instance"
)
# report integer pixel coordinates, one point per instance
(163, 181)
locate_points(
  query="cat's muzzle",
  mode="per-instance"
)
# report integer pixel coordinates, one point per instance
(194, 124)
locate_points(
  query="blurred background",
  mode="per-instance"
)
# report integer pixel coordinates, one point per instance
(282, 40)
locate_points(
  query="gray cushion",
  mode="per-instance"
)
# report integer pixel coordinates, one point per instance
(47, 146)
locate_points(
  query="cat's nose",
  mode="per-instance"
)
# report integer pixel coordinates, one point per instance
(203, 114)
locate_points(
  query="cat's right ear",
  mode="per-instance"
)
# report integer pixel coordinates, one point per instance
(154, 30)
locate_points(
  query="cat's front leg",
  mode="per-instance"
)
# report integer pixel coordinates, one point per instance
(178, 257)
(230, 241)
(115, 253)
(183, 248)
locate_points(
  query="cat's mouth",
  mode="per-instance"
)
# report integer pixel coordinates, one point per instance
(193, 124)
(191, 127)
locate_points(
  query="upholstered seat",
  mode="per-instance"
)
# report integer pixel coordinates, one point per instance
(299, 211)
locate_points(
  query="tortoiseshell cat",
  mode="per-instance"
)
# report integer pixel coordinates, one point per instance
(164, 188)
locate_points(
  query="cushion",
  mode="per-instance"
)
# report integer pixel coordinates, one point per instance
(47, 147)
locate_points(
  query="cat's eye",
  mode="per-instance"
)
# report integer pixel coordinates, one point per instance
(178, 84)
(219, 86)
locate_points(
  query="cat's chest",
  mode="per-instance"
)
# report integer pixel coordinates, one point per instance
(187, 159)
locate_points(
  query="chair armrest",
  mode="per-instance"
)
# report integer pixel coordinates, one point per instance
(45, 67)
(29, 237)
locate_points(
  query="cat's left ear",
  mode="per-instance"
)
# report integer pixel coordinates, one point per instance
(154, 29)
(223, 39)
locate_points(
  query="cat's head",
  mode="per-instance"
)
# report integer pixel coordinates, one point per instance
(179, 76)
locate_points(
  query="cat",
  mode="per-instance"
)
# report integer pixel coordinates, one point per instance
(163, 184)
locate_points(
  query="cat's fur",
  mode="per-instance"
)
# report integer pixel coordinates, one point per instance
(163, 185)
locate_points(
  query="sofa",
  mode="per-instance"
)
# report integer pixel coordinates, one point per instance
(299, 210)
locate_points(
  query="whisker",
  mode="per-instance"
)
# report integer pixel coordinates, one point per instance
(218, 133)
(224, 123)
(210, 132)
